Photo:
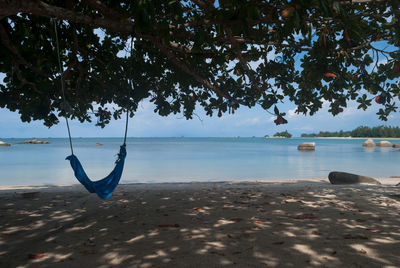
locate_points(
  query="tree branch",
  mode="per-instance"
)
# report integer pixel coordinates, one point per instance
(189, 71)
(42, 9)
(21, 60)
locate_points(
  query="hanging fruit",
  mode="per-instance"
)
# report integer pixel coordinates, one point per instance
(347, 37)
(330, 75)
(279, 120)
(287, 12)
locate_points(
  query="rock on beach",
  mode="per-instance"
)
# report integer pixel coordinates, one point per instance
(369, 143)
(34, 141)
(306, 146)
(337, 177)
(2, 143)
(384, 144)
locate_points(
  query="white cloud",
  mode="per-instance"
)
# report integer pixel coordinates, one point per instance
(292, 113)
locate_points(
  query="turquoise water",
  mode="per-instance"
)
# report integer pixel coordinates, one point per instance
(193, 159)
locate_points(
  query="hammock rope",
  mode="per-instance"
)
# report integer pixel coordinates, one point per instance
(106, 186)
(62, 84)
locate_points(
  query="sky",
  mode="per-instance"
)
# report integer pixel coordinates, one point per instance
(245, 123)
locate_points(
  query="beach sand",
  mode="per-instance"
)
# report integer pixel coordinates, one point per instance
(291, 223)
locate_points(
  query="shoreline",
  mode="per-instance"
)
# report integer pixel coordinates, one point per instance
(393, 180)
(352, 138)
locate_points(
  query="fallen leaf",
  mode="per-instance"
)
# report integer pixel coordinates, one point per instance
(168, 225)
(198, 209)
(258, 222)
(372, 230)
(36, 256)
(266, 203)
(88, 252)
(236, 219)
(305, 216)
(351, 236)
(5, 234)
(363, 251)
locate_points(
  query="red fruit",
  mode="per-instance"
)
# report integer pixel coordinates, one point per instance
(308, 74)
(340, 110)
(330, 75)
(238, 72)
(396, 68)
(153, 99)
(219, 113)
(131, 115)
(287, 12)
(378, 99)
(347, 37)
(35, 256)
(279, 120)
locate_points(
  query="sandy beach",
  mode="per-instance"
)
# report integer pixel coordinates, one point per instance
(291, 223)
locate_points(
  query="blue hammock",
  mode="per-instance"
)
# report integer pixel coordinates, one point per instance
(105, 187)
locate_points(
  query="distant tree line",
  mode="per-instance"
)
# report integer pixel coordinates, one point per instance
(285, 134)
(362, 131)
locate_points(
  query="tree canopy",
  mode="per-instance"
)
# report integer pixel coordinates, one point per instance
(362, 132)
(219, 55)
(285, 134)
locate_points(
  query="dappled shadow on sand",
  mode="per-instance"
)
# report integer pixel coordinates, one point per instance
(243, 225)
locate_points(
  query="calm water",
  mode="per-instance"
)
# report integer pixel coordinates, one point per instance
(193, 159)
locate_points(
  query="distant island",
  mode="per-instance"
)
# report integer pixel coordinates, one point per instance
(360, 132)
(279, 135)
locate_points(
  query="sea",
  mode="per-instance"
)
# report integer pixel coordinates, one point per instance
(183, 159)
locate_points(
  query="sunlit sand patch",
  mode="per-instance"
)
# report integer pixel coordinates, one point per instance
(135, 239)
(368, 252)
(315, 257)
(79, 228)
(267, 258)
(385, 240)
(116, 258)
(153, 233)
